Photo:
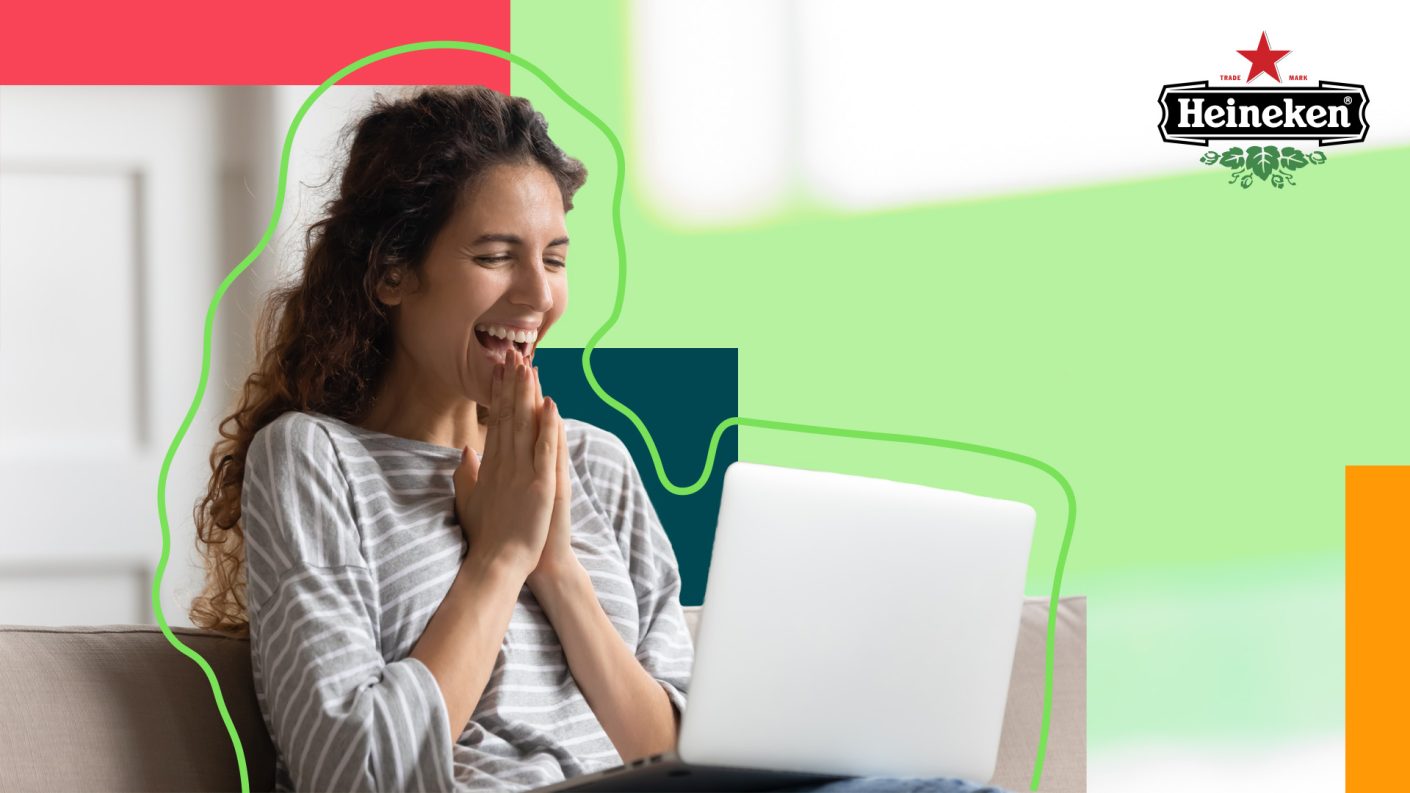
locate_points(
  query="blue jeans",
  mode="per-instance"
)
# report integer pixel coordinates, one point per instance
(898, 784)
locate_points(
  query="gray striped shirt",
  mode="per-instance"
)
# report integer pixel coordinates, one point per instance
(351, 544)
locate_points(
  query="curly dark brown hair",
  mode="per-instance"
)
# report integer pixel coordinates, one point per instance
(323, 341)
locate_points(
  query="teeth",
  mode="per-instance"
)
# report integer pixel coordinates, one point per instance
(502, 332)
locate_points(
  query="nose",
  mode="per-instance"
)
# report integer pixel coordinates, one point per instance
(532, 289)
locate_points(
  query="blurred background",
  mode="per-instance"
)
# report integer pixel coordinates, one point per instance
(122, 208)
(922, 219)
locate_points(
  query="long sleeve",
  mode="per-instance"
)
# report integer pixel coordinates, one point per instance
(665, 648)
(341, 716)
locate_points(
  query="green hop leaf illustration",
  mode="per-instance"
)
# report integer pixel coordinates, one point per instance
(1292, 159)
(1262, 160)
(1233, 158)
(1316, 158)
(1245, 182)
(1277, 181)
(1210, 157)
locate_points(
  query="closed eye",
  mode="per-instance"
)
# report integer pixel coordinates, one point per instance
(507, 258)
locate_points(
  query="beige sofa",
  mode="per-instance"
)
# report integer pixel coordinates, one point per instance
(115, 707)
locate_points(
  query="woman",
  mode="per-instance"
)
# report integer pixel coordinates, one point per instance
(445, 583)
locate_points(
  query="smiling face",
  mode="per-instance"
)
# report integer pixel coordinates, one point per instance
(499, 262)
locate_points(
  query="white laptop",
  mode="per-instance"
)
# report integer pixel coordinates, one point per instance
(851, 626)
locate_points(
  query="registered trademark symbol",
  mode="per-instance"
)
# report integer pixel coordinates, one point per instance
(1346, 100)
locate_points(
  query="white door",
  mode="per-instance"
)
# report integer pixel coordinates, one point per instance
(110, 250)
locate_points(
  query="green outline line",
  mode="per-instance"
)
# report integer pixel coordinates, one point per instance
(811, 429)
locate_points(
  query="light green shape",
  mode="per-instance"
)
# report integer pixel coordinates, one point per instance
(1203, 392)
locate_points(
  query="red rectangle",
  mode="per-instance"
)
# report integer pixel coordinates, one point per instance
(252, 43)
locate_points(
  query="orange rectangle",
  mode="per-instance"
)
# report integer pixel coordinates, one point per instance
(1377, 686)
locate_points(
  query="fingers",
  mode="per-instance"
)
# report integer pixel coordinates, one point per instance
(457, 477)
(543, 427)
(516, 413)
(468, 471)
(546, 450)
(463, 482)
(525, 429)
(505, 409)
(494, 431)
(514, 378)
(564, 483)
(539, 402)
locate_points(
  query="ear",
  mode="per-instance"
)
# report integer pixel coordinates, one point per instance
(394, 285)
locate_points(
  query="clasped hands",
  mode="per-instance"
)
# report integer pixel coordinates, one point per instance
(514, 504)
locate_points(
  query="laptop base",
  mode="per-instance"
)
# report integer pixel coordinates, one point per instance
(670, 773)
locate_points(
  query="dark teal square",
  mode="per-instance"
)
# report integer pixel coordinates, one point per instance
(681, 395)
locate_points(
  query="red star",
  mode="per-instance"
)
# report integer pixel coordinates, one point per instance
(1263, 59)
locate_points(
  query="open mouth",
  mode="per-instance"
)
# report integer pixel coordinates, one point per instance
(497, 349)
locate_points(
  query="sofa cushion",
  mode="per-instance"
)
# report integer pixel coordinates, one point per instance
(116, 707)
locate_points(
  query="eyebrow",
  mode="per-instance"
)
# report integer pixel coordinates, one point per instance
(513, 238)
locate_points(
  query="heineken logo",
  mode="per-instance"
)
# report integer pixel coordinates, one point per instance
(1268, 115)
(1329, 114)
